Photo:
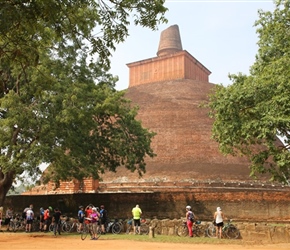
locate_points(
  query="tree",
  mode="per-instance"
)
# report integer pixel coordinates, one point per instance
(255, 109)
(58, 104)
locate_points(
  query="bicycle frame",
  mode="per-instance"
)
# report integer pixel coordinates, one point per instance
(228, 231)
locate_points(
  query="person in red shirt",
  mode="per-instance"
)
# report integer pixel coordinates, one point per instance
(47, 218)
(88, 212)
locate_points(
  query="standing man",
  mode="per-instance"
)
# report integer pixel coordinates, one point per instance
(56, 221)
(136, 212)
(81, 217)
(104, 216)
(47, 218)
(29, 218)
(8, 217)
(41, 219)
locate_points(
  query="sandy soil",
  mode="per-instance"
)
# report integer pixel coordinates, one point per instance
(23, 241)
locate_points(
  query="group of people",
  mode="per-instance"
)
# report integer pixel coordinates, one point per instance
(46, 217)
(97, 217)
(218, 220)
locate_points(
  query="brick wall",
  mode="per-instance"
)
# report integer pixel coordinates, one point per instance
(242, 205)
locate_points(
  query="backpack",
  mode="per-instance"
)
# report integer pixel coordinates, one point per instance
(191, 216)
(103, 213)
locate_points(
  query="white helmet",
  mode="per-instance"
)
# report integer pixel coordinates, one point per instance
(188, 207)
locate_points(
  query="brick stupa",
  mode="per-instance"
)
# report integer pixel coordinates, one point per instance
(169, 89)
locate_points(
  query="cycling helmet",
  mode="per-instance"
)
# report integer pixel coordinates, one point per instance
(188, 207)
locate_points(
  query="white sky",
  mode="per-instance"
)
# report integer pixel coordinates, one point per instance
(219, 34)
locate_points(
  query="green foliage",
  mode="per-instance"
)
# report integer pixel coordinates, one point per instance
(255, 109)
(58, 104)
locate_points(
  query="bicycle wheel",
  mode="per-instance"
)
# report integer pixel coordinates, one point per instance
(232, 232)
(129, 228)
(79, 228)
(144, 229)
(66, 227)
(211, 231)
(182, 230)
(85, 232)
(116, 228)
(197, 231)
(35, 226)
(12, 226)
(50, 228)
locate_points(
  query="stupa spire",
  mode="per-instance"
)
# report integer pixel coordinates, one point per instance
(170, 41)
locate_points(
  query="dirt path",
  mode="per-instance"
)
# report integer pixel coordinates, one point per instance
(24, 241)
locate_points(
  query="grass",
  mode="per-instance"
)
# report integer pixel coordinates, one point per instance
(165, 239)
(173, 239)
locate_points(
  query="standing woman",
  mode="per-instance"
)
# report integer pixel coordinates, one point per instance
(219, 220)
(95, 215)
(189, 219)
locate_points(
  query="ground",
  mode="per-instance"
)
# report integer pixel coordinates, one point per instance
(43, 241)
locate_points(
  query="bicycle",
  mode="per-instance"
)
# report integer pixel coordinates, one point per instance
(114, 226)
(74, 226)
(88, 229)
(228, 231)
(64, 225)
(17, 223)
(197, 231)
(144, 228)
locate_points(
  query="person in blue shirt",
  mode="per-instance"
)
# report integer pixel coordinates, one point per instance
(81, 217)
(104, 216)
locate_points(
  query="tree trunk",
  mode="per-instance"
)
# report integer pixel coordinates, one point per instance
(6, 181)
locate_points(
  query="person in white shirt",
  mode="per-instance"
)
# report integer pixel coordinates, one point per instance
(219, 220)
(29, 218)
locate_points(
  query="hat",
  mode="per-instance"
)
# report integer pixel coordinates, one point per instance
(218, 209)
(94, 209)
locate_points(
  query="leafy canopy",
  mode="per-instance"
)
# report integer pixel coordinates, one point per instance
(255, 109)
(57, 102)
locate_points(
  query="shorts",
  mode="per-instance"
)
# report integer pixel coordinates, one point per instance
(29, 221)
(137, 223)
(221, 224)
(95, 227)
(6, 221)
(81, 220)
(47, 222)
(103, 221)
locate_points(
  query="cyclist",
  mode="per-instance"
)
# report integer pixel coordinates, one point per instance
(29, 218)
(189, 219)
(219, 218)
(47, 218)
(8, 217)
(81, 216)
(136, 212)
(95, 215)
(56, 221)
(41, 219)
(103, 215)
